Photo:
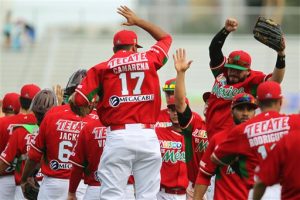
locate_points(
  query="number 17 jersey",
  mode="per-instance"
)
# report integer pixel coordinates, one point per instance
(128, 85)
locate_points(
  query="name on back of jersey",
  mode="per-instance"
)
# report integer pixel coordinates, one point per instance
(268, 131)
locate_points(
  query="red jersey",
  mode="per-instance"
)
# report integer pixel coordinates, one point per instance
(6, 124)
(196, 142)
(57, 136)
(18, 146)
(282, 166)
(129, 86)
(251, 141)
(227, 183)
(173, 171)
(88, 150)
(163, 120)
(218, 113)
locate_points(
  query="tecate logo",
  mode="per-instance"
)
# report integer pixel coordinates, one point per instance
(114, 101)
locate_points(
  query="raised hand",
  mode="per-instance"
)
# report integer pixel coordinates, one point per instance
(180, 62)
(231, 24)
(131, 17)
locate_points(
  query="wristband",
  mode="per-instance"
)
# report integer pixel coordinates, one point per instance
(280, 63)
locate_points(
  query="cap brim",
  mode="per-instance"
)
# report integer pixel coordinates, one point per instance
(245, 103)
(238, 67)
(138, 46)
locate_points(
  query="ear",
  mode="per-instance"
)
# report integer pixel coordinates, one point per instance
(248, 72)
(133, 48)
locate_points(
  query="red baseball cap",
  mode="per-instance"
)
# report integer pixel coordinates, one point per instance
(11, 102)
(269, 90)
(240, 60)
(243, 98)
(29, 91)
(169, 85)
(172, 101)
(126, 37)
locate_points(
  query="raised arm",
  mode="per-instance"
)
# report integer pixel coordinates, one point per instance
(133, 20)
(181, 65)
(215, 48)
(279, 69)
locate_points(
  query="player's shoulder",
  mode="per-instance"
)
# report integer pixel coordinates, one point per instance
(92, 124)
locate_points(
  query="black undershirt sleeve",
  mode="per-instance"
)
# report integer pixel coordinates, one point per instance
(185, 117)
(215, 48)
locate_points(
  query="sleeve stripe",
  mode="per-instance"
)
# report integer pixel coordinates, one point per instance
(223, 63)
(161, 49)
(218, 160)
(37, 149)
(79, 92)
(4, 161)
(205, 172)
(189, 122)
(75, 163)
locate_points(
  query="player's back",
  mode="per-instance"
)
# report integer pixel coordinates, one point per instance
(131, 89)
(266, 129)
(88, 150)
(57, 136)
(6, 125)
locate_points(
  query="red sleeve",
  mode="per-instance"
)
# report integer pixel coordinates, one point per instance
(38, 144)
(259, 77)
(270, 168)
(207, 167)
(235, 144)
(76, 174)
(159, 51)
(88, 87)
(78, 155)
(10, 151)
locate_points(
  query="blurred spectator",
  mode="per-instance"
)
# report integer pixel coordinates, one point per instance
(7, 29)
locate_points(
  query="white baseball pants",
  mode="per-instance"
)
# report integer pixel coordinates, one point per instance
(131, 150)
(7, 187)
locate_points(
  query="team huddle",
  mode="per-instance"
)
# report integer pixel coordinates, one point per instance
(106, 137)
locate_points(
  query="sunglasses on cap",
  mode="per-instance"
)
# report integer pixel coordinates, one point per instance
(169, 87)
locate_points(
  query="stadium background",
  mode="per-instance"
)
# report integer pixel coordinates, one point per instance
(78, 34)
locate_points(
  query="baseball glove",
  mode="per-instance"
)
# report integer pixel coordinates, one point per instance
(269, 33)
(31, 190)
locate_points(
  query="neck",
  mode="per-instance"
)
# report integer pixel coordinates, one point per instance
(176, 127)
(23, 111)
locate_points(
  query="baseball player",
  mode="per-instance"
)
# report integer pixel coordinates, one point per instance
(281, 166)
(174, 180)
(252, 141)
(28, 91)
(164, 116)
(22, 135)
(85, 159)
(193, 126)
(130, 103)
(53, 145)
(227, 183)
(233, 75)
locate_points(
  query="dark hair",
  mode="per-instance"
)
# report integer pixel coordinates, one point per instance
(268, 103)
(9, 111)
(25, 103)
(122, 47)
